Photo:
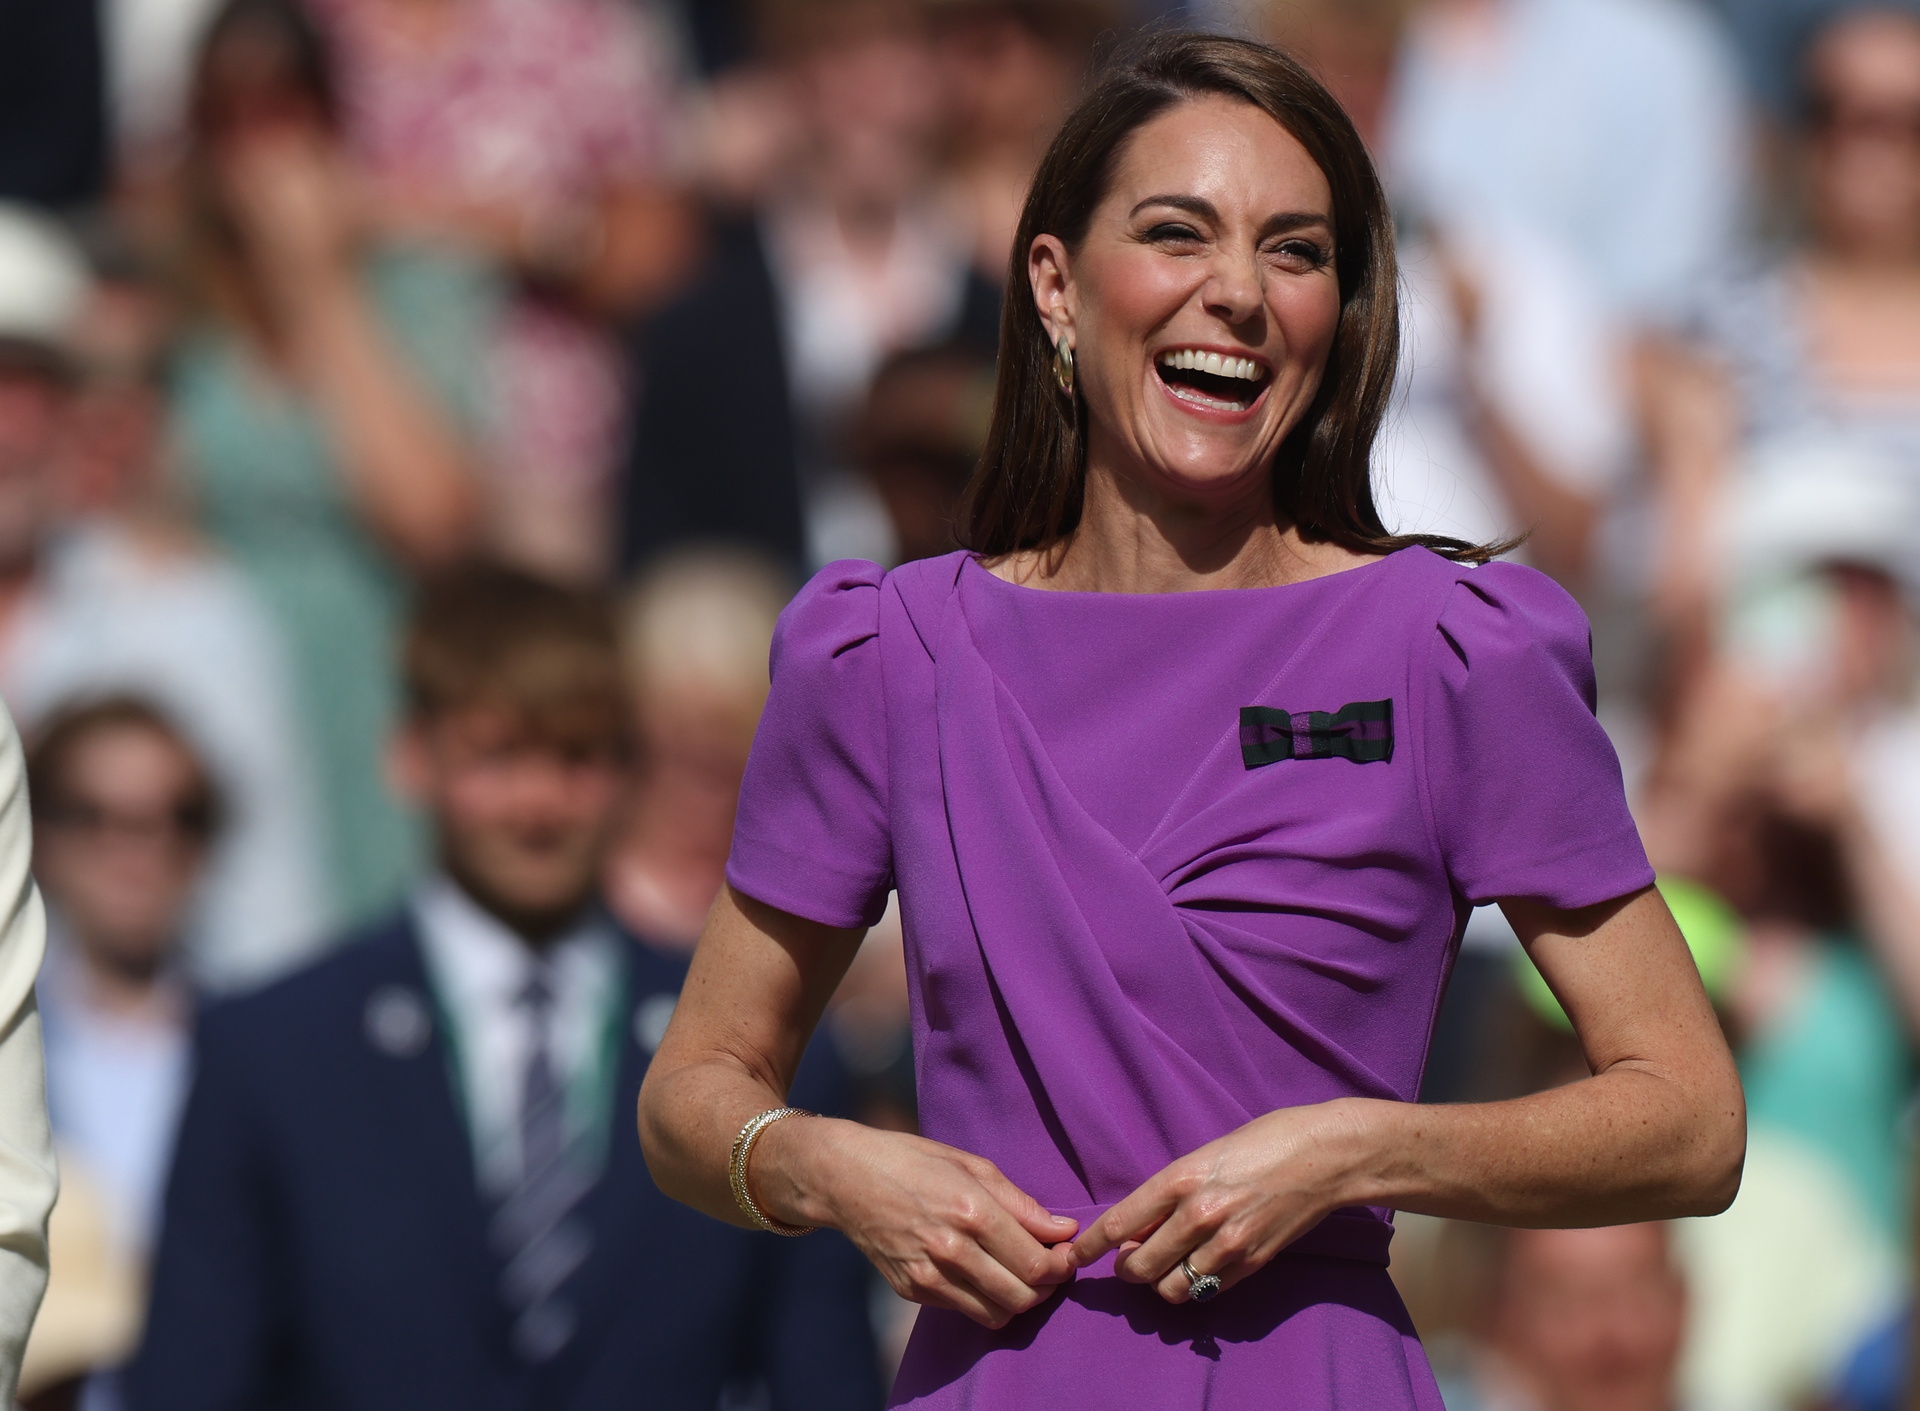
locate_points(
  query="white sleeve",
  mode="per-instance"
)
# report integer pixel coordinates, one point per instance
(1550, 357)
(28, 1182)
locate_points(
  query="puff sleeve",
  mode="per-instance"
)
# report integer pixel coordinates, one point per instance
(1524, 785)
(811, 836)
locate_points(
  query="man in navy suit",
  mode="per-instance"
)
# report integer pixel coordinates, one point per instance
(408, 1177)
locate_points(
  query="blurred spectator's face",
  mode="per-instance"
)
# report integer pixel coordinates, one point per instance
(1183, 260)
(873, 101)
(523, 821)
(33, 418)
(1871, 645)
(249, 91)
(121, 844)
(1005, 83)
(1593, 1319)
(695, 744)
(119, 412)
(1864, 82)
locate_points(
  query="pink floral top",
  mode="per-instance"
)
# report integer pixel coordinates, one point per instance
(546, 103)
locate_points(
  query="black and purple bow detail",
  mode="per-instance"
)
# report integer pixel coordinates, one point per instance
(1361, 732)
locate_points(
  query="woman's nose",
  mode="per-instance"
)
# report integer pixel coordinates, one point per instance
(1233, 291)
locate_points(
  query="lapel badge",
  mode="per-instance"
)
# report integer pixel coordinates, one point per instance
(397, 1023)
(651, 1018)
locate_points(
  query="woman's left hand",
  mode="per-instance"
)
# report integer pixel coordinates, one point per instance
(1232, 1205)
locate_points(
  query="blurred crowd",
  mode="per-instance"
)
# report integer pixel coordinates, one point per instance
(326, 322)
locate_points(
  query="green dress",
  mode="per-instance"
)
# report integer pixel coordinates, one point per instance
(267, 488)
(1834, 1071)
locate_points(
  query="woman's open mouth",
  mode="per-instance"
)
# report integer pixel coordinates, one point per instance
(1216, 382)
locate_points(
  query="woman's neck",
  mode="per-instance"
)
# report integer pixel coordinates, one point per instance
(1131, 540)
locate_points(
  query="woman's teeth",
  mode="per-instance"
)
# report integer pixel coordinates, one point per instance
(1192, 360)
(1219, 381)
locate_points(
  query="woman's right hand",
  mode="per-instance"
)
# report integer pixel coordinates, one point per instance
(944, 1227)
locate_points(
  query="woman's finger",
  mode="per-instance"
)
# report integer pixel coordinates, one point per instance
(970, 1266)
(1163, 1249)
(1222, 1256)
(934, 1287)
(1134, 1218)
(1004, 1240)
(1033, 1217)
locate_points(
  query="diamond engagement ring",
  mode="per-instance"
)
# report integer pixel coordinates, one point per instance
(1200, 1287)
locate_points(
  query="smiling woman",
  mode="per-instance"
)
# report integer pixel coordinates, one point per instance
(1182, 871)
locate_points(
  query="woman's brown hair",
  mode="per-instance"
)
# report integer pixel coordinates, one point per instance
(1028, 489)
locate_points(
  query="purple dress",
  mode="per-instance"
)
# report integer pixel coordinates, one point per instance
(1167, 862)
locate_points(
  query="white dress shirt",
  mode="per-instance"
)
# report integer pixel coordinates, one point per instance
(479, 970)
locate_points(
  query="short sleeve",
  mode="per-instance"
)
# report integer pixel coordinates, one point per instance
(811, 836)
(1525, 787)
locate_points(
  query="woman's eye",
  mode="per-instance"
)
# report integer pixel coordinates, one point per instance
(1306, 253)
(1172, 231)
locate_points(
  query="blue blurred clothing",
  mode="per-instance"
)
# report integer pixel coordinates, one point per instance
(1614, 128)
(115, 1086)
(1875, 1379)
(325, 1236)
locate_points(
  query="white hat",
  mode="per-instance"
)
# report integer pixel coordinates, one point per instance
(1821, 496)
(43, 279)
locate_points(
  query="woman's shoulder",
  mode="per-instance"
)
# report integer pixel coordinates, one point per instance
(1505, 621)
(843, 599)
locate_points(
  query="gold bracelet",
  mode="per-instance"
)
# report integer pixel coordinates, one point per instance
(737, 1170)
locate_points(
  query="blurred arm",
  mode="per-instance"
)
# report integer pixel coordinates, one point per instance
(405, 465)
(1690, 426)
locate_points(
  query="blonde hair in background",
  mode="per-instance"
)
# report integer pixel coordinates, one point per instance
(699, 622)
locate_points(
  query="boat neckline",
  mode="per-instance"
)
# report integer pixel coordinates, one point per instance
(1083, 594)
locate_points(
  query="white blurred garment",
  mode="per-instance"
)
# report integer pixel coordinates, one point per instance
(1782, 1286)
(150, 50)
(186, 633)
(1615, 127)
(28, 1182)
(480, 970)
(1544, 358)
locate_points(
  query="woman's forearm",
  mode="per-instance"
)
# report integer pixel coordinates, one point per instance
(757, 987)
(1626, 1145)
(404, 464)
(689, 1117)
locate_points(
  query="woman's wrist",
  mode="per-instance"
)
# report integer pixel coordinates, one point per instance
(1365, 1141)
(790, 1171)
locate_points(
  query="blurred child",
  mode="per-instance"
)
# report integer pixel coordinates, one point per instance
(408, 1178)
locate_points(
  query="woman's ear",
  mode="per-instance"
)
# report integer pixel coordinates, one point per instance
(1050, 273)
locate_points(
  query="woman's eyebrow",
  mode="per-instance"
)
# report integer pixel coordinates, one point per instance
(1192, 205)
(1204, 209)
(1294, 220)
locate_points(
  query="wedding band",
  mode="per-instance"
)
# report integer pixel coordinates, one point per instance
(1200, 1287)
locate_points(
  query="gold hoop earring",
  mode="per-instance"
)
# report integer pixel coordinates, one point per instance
(1063, 364)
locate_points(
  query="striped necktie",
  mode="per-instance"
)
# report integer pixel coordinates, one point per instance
(535, 1230)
